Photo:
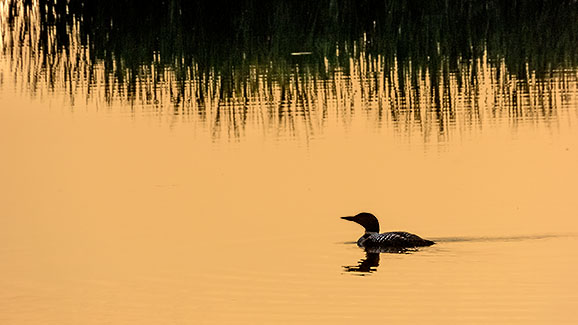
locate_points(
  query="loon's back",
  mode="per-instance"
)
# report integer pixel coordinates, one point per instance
(392, 239)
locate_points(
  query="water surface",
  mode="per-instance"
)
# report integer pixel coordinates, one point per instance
(178, 174)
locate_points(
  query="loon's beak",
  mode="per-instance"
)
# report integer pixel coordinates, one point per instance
(348, 218)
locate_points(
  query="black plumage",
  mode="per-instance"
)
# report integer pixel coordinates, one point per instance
(372, 237)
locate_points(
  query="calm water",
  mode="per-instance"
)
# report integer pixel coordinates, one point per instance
(154, 174)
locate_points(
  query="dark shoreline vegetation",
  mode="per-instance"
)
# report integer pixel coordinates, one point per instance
(210, 53)
(221, 33)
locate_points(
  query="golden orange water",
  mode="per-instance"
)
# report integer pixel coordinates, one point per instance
(124, 212)
(123, 219)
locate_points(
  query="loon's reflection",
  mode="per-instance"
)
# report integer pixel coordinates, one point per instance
(370, 263)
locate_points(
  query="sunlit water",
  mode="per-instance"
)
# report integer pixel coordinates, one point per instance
(217, 200)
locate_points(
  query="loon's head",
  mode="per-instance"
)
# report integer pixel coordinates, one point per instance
(367, 220)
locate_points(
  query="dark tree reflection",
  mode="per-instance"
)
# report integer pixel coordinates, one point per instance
(443, 66)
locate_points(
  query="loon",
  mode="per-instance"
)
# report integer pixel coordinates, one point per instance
(372, 237)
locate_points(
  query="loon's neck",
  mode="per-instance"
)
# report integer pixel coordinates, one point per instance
(370, 225)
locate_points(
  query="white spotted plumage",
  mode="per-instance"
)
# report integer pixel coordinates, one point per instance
(393, 239)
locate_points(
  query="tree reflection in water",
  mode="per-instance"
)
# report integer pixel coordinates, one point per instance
(446, 67)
